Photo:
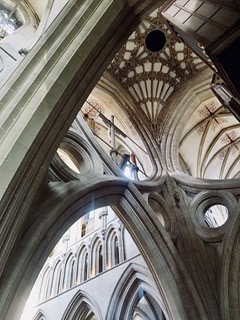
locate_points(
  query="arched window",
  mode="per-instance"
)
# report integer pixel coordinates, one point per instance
(82, 265)
(116, 251)
(113, 248)
(69, 276)
(45, 290)
(84, 229)
(100, 260)
(85, 266)
(97, 261)
(72, 276)
(57, 279)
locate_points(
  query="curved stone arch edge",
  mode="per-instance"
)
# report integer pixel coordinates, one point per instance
(134, 278)
(229, 260)
(80, 299)
(204, 200)
(40, 315)
(65, 203)
(196, 185)
(39, 148)
(229, 273)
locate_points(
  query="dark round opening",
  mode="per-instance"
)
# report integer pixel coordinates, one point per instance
(155, 40)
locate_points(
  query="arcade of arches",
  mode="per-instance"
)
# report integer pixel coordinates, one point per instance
(119, 159)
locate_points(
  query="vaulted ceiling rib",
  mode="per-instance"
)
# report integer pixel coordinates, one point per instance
(151, 77)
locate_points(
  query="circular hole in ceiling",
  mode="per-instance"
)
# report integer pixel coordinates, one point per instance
(155, 40)
(215, 216)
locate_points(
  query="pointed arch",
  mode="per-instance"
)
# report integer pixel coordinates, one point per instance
(82, 264)
(69, 272)
(112, 248)
(83, 307)
(116, 253)
(135, 283)
(69, 200)
(32, 168)
(96, 256)
(122, 240)
(46, 284)
(40, 315)
(57, 282)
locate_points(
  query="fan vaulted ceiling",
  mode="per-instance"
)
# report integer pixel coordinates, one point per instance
(151, 77)
(210, 142)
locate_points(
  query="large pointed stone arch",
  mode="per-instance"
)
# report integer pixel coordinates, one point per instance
(66, 202)
(46, 92)
(127, 294)
(80, 306)
(40, 315)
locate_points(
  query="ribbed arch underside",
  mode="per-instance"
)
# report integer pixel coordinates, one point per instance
(151, 77)
(212, 134)
(201, 133)
(40, 315)
(134, 285)
(82, 306)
